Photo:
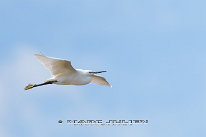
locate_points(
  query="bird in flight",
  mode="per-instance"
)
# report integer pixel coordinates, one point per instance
(64, 74)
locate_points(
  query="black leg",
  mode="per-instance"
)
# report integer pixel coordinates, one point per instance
(45, 83)
(37, 85)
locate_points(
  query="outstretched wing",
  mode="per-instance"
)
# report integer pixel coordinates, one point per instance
(99, 81)
(55, 66)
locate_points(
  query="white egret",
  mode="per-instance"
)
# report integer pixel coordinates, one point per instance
(64, 74)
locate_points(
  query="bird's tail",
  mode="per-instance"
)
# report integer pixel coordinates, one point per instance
(29, 86)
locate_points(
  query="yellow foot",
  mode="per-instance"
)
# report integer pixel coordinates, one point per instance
(29, 86)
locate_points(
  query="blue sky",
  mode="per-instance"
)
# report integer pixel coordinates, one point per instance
(154, 52)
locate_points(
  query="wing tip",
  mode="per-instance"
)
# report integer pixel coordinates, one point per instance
(108, 85)
(37, 55)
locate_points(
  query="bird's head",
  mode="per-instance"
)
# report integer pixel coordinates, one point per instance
(84, 71)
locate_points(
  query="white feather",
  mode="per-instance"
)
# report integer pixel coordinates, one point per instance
(65, 74)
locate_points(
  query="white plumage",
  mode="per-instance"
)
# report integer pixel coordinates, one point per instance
(64, 74)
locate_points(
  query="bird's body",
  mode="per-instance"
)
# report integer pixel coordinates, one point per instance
(80, 77)
(64, 74)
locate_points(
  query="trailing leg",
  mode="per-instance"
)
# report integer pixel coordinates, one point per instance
(37, 85)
